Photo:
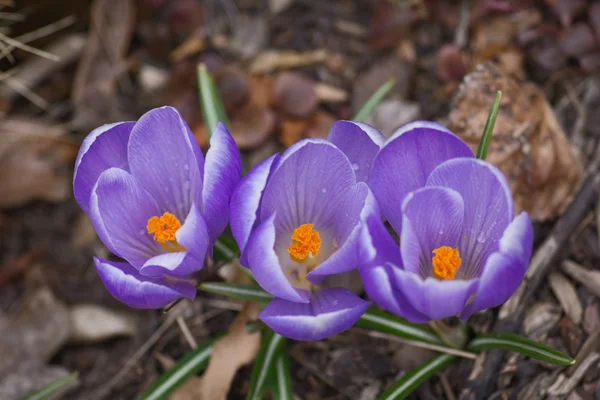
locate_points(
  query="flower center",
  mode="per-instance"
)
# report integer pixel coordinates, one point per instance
(164, 229)
(305, 242)
(445, 262)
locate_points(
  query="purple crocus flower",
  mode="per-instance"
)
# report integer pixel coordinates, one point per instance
(297, 218)
(155, 203)
(460, 249)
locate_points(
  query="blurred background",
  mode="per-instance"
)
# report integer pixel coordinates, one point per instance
(286, 69)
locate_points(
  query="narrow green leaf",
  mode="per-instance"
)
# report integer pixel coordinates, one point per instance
(225, 249)
(520, 344)
(375, 99)
(189, 365)
(282, 389)
(383, 322)
(415, 377)
(486, 138)
(51, 388)
(212, 106)
(271, 346)
(237, 291)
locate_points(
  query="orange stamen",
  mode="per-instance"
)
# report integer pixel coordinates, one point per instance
(445, 262)
(305, 241)
(164, 229)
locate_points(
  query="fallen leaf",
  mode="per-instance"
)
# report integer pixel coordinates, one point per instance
(292, 130)
(295, 94)
(272, 60)
(231, 352)
(252, 125)
(34, 163)
(95, 83)
(94, 324)
(528, 144)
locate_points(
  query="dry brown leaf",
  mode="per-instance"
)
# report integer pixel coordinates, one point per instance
(292, 130)
(252, 125)
(95, 84)
(34, 160)
(528, 144)
(272, 60)
(229, 354)
(295, 94)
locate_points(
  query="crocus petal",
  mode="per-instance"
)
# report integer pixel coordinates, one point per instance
(165, 157)
(432, 217)
(120, 210)
(435, 298)
(105, 147)
(176, 264)
(265, 266)
(329, 312)
(246, 200)
(126, 284)
(405, 162)
(488, 207)
(307, 186)
(358, 205)
(379, 255)
(360, 142)
(193, 234)
(505, 269)
(222, 173)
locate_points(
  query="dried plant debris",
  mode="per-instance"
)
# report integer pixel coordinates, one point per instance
(528, 144)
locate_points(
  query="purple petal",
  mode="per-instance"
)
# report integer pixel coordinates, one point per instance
(307, 186)
(488, 208)
(126, 285)
(165, 157)
(222, 173)
(120, 209)
(105, 147)
(246, 200)
(434, 298)
(329, 312)
(193, 234)
(379, 255)
(505, 269)
(358, 205)
(176, 264)
(405, 162)
(360, 142)
(265, 265)
(432, 217)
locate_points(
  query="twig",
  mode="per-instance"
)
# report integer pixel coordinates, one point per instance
(446, 386)
(26, 47)
(186, 332)
(22, 89)
(416, 343)
(461, 35)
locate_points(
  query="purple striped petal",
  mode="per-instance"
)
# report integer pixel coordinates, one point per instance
(246, 200)
(359, 204)
(405, 162)
(119, 210)
(176, 264)
(105, 147)
(505, 269)
(265, 265)
(432, 217)
(434, 298)
(488, 207)
(307, 186)
(126, 284)
(360, 142)
(222, 173)
(165, 157)
(329, 312)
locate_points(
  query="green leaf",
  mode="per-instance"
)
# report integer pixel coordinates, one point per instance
(212, 106)
(237, 291)
(486, 138)
(226, 249)
(415, 377)
(375, 99)
(271, 346)
(282, 388)
(189, 365)
(513, 342)
(383, 322)
(51, 388)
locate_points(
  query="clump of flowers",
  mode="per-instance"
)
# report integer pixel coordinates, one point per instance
(155, 202)
(460, 248)
(297, 220)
